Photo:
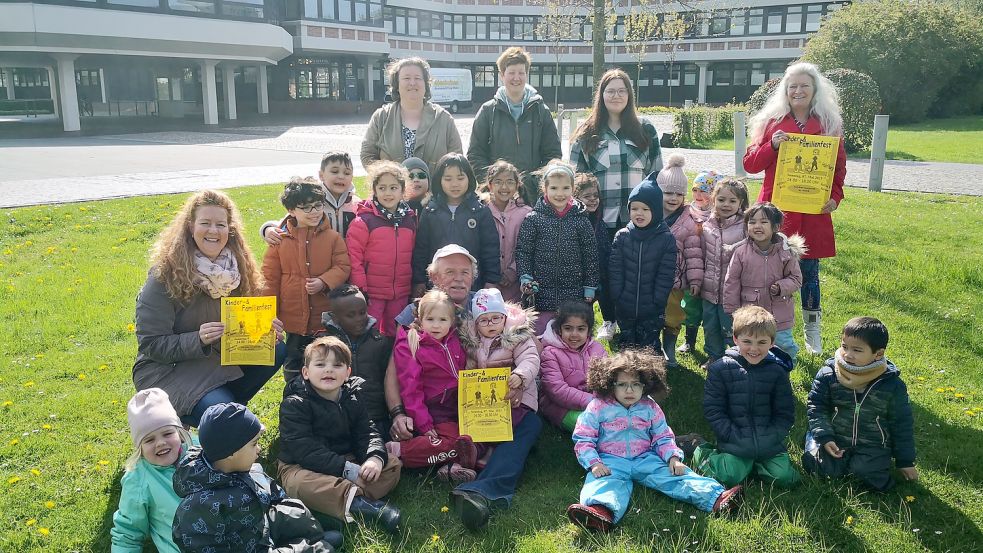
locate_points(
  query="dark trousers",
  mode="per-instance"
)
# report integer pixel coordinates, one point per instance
(641, 333)
(604, 300)
(872, 465)
(497, 482)
(810, 284)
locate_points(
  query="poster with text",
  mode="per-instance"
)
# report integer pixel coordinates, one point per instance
(483, 411)
(804, 177)
(249, 338)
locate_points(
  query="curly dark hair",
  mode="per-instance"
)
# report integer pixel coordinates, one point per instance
(650, 368)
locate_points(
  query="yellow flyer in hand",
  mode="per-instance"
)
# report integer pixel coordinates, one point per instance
(804, 178)
(483, 412)
(249, 338)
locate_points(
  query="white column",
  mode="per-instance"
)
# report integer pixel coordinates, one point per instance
(8, 73)
(209, 97)
(53, 89)
(67, 94)
(702, 94)
(102, 84)
(369, 83)
(229, 82)
(262, 90)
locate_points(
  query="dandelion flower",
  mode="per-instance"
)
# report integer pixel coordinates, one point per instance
(49, 504)
(103, 367)
(35, 472)
(29, 383)
(13, 480)
(959, 396)
(8, 403)
(444, 509)
(81, 376)
(44, 531)
(46, 426)
(103, 462)
(921, 379)
(15, 441)
(434, 538)
(849, 520)
(131, 327)
(940, 390)
(950, 389)
(31, 521)
(909, 498)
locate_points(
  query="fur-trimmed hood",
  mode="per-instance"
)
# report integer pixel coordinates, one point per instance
(795, 245)
(515, 347)
(519, 327)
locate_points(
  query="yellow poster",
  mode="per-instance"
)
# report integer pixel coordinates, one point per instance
(483, 412)
(249, 338)
(804, 178)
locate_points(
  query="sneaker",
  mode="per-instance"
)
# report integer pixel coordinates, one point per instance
(455, 474)
(706, 364)
(467, 452)
(729, 501)
(591, 517)
(607, 331)
(688, 443)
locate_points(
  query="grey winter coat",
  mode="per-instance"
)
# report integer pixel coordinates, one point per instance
(528, 143)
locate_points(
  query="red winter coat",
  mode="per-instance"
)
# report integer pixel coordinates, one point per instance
(564, 376)
(689, 254)
(718, 242)
(428, 373)
(816, 229)
(752, 272)
(381, 253)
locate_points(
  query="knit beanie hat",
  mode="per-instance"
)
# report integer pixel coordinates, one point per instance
(706, 180)
(649, 194)
(672, 178)
(225, 428)
(488, 300)
(147, 411)
(412, 163)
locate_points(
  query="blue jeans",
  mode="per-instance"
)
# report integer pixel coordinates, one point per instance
(810, 284)
(501, 476)
(717, 332)
(785, 341)
(240, 390)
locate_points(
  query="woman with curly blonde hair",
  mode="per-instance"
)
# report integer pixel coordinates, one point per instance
(804, 102)
(198, 259)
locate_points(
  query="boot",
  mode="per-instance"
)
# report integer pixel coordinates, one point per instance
(592, 517)
(472, 508)
(386, 516)
(669, 348)
(334, 538)
(814, 340)
(690, 344)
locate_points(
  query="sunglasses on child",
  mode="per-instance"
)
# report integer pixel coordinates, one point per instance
(419, 176)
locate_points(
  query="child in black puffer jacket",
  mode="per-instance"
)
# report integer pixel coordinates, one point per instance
(643, 268)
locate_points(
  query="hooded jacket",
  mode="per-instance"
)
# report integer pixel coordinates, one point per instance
(877, 416)
(471, 226)
(435, 136)
(564, 375)
(528, 143)
(428, 374)
(381, 253)
(609, 427)
(146, 509)
(558, 252)
(304, 252)
(370, 359)
(643, 260)
(340, 212)
(224, 512)
(508, 223)
(515, 347)
(317, 433)
(752, 272)
(687, 229)
(717, 236)
(750, 407)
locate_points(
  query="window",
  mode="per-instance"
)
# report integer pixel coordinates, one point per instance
(498, 28)
(523, 28)
(328, 9)
(449, 26)
(375, 12)
(485, 76)
(470, 27)
(548, 76)
(756, 19)
(424, 25)
(310, 9)
(722, 76)
(196, 6)
(758, 75)
(738, 23)
(741, 76)
(414, 23)
(813, 16)
(345, 10)
(437, 26)
(793, 19)
(361, 12)
(775, 16)
(239, 8)
(719, 25)
(140, 3)
(690, 75)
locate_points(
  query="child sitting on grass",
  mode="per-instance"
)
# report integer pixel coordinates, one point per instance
(331, 455)
(749, 404)
(860, 413)
(622, 437)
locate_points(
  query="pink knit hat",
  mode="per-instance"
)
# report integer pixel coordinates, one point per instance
(672, 178)
(149, 410)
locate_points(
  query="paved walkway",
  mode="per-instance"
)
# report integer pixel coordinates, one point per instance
(58, 170)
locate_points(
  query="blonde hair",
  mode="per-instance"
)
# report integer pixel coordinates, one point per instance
(172, 256)
(513, 56)
(137, 454)
(825, 104)
(430, 301)
(754, 320)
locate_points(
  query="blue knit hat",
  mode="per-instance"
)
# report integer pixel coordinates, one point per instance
(649, 193)
(225, 428)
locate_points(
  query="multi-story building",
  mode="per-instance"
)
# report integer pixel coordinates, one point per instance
(217, 58)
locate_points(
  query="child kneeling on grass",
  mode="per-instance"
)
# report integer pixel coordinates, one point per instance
(331, 455)
(147, 501)
(859, 412)
(623, 437)
(749, 404)
(229, 504)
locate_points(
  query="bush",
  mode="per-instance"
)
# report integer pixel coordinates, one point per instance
(913, 50)
(699, 125)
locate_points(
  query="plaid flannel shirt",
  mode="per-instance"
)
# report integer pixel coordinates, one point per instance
(619, 166)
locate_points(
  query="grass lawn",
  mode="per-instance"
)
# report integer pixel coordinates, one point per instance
(70, 275)
(956, 140)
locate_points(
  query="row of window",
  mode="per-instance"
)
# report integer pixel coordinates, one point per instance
(363, 12)
(245, 9)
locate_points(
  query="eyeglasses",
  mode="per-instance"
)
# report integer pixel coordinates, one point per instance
(507, 182)
(614, 92)
(623, 386)
(316, 206)
(493, 320)
(419, 176)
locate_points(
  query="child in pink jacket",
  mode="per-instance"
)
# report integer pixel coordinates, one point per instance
(428, 357)
(380, 245)
(503, 184)
(764, 271)
(567, 351)
(720, 232)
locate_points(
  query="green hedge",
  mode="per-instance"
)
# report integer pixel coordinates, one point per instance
(699, 125)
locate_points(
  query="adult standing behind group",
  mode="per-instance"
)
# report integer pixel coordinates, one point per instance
(198, 259)
(515, 125)
(616, 146)
(412, 125)
(803, 102)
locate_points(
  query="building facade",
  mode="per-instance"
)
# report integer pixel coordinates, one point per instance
(217, 58)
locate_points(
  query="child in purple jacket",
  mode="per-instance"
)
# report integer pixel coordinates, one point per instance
(623, 437)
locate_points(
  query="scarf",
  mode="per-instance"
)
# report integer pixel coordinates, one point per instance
(515, 109)
(857, 378)
(394, 217)
(217, 278)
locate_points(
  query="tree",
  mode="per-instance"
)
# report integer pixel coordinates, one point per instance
(672, 30)
(640, 28)
(558, 25)
(925, 56)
